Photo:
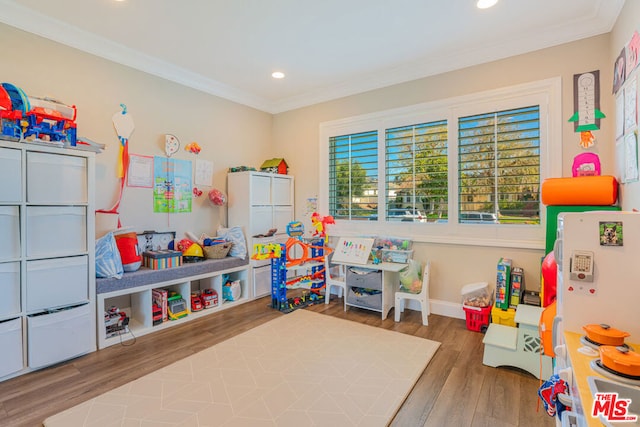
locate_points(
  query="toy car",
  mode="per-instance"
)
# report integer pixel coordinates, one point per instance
(209, 298)
(196, 302)
(156, 314)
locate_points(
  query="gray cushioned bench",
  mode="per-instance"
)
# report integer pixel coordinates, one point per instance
(145, 276)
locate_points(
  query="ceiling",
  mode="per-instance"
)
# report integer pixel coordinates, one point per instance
(328, 49)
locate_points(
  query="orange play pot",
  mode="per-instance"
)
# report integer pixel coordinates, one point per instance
(620, 359)
(605, 334)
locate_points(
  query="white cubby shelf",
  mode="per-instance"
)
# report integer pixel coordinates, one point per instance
(132, 294)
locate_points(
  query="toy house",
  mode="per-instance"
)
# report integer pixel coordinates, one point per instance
(275, 166)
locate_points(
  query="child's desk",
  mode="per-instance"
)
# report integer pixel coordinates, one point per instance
(390, 282)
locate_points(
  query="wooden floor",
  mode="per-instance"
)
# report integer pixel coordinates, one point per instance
(456, 389)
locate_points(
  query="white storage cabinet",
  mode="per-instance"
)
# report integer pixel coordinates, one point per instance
(260, 201)
(47, 260)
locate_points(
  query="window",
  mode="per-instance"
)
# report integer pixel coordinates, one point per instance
(416, 171)
(353, 176)
(499, 166)
(464, 170)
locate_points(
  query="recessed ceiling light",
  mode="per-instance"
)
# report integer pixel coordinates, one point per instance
(277, 75)
(485, 4)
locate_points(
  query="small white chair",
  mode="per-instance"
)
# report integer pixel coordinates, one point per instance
(338, 281)
(422, 297)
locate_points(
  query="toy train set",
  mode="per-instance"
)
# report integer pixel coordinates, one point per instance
(25, 117)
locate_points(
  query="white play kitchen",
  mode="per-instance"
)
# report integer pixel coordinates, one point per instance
(597, 327)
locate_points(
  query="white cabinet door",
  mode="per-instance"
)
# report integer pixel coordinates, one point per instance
(260, 190)
(282, 191)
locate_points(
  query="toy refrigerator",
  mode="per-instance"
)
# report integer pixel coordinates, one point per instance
(598, 256)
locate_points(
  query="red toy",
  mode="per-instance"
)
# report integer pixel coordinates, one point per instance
(196, 302)
(209, 298)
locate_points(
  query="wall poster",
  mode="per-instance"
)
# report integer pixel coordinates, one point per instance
(172, 190)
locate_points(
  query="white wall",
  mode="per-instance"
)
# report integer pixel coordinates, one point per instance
(229, 134)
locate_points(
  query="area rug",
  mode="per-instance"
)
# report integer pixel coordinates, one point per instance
(300, 369)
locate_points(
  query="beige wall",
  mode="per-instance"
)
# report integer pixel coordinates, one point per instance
(456, 265)
(229, 134)
(628, 22)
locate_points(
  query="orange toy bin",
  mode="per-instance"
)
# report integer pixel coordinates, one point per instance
(477, 318)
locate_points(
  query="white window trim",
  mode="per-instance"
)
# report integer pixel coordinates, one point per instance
(546, 93)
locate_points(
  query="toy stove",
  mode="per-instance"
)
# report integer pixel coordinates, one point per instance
(607, 372)
(596, 345)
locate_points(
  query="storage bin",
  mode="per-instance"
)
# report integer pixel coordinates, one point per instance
(57, 282)
(261, 281)
(56, 230)
(9, 289)
(10, 175)
(364, 278)
(503, 317)
(476, 295)
(477, 318)
(390, 242)
(396, 255)
(56, 178)
(366, 298)
(10, 232)
(11, 345)
(59, 335)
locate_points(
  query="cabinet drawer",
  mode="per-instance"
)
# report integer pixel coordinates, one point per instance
(55, 178)
(57, 282)
(60, 335)
(9, 289)
(56, 230)
(10, 175)
(365, 300)
(11, 345)
(10, 232)
(369, 280)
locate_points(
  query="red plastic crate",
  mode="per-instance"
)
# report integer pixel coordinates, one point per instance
(477, 318)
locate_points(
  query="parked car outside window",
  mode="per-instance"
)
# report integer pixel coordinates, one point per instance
(478, 218)
(404, 215)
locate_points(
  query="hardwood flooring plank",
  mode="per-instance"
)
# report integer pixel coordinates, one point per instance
(450, 407)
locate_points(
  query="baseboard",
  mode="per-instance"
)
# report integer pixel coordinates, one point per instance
(442, 308)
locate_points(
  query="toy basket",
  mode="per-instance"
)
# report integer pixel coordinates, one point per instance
(477, 318)
(217, 251)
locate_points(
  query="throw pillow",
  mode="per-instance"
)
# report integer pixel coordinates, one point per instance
(236, 236)
(108, 261)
